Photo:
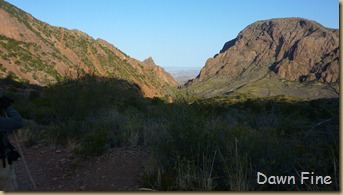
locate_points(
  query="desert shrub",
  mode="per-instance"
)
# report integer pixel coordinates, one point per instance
(95, 142)
(196, 144)
(135, 102)
(202, 147)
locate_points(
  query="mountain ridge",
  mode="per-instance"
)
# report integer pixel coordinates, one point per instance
(38, 53)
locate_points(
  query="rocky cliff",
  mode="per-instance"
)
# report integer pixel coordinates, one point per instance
(162, 74)
(295, 51)
(35, 52)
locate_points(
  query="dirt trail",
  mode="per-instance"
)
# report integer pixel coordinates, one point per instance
(56, 169)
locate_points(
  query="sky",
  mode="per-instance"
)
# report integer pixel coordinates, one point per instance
(175, 33)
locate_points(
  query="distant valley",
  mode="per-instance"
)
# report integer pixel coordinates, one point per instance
(183, 74)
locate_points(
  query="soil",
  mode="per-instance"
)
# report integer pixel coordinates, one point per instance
(56, 169)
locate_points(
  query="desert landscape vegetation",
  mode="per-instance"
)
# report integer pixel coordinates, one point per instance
(100, 120)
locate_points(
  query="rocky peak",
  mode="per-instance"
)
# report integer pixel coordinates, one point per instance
(149, 61)
(160, 72)
(293, 48)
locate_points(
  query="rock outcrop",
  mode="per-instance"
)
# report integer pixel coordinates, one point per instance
(160, 72)
(293, 49)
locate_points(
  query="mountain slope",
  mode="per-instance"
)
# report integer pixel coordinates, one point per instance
(292, 56)
(35, 52)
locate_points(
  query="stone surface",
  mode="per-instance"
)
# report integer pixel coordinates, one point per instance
(295, 49)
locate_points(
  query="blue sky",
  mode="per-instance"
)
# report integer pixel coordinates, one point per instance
(173, 32)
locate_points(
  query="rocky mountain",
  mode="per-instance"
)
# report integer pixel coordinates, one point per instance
(35, 52)
(292, 56)
(165, 76)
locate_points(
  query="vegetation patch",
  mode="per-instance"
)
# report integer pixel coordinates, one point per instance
(215, 144)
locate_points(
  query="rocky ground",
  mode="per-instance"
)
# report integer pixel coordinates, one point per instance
(55, 169)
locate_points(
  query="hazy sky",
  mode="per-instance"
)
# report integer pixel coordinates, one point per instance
(173, 32)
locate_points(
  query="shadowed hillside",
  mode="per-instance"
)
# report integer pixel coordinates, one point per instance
(193, 144)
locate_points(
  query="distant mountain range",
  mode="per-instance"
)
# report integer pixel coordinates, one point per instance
(183, 74)
(292, 56)
(35, 52)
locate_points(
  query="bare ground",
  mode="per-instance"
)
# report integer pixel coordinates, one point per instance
(56, 169)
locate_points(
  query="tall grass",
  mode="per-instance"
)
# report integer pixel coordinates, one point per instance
(214, 146)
